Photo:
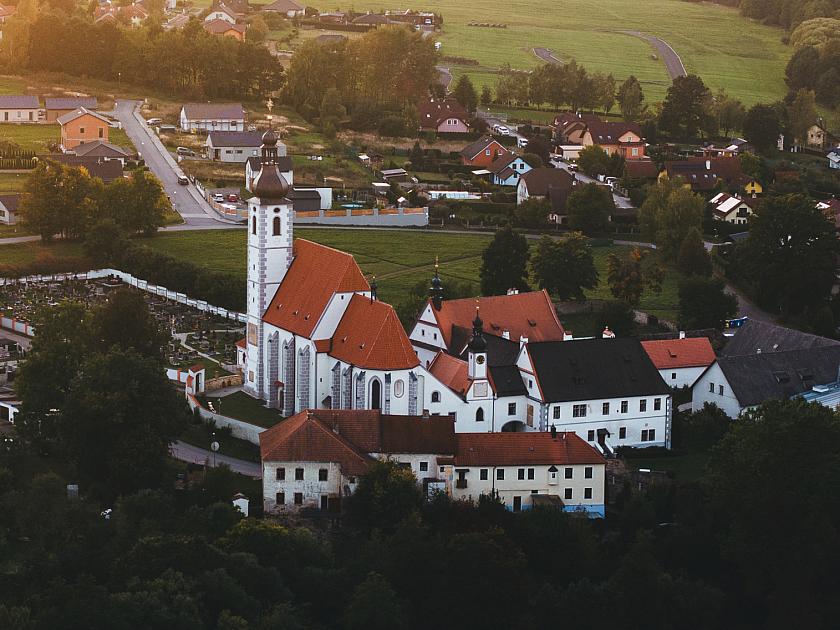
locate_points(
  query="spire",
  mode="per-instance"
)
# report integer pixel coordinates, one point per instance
(269, 183)
(436, 290)
(477, 342)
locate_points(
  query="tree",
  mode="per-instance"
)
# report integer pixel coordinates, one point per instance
(728, 111)
(486, 96)
(386, 495)
(604, 91)
(464, 92)
(630, 276)
(693, 259)
(780, 551)
(801, 70)
(802, 113)
(789, 256)
(126, 322)
(332, 110)
(565, 267)
(631, 99)
(537, 145)
(668, 214)
(593, 161)
(533, 212)
(374, 606)
(589, 208)
(104, 242)
(704, 303)
(257, 30)
(504, 264)
(685, 110)
(762, 127)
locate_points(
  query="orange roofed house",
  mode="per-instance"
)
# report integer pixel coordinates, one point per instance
(82, 126)
(680, 361)
(315, 459)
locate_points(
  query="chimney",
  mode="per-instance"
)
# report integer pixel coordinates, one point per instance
(513, 291)
(505, 334)
(682, 334)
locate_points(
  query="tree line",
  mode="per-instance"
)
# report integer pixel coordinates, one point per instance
(784, 13)
(815, 64)
(190, 62)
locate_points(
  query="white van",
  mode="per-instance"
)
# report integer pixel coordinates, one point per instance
(521, 142)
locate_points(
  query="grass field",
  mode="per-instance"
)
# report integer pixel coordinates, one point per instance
(12, 182)
(728, 51)
(399, 259)
(39, 137)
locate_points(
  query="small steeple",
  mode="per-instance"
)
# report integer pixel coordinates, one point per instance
(373, 288)
(477, 342)
(436, 290)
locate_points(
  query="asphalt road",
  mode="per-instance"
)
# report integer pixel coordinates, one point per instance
(186, 200)
(673, 63)
(620, 202)
(189, 453)
(546, 55)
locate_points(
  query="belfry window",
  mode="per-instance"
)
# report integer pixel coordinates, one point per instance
(276, 230)
(253, 225)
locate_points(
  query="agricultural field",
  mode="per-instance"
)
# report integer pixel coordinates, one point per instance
(742, 56)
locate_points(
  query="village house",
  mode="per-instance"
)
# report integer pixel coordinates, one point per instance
(553, 184)
(134, 14)
(284, 165)
(730, 209)
(176, 22)
(680, 361)
(640, 169)
(621, 138)
(82, 126)
(509, 169)
(212, 117)
(220, 11)
(817, 136)
(314, 460)
(706, 174)
(443, 116)
(8, 208)
(226, 29)
(289, 8)
(56, 107)
(483, 152)
(235, 146)
(107, 170)
(833, 157)
(733, 149)
(102, 150)
(570, 128)
(371, 19)
(766, 362)
(18, 109)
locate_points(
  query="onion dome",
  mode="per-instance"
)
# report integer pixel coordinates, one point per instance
(270, 184)
(477, 342)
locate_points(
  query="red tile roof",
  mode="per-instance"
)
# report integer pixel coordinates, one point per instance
(680, 353)
(530, 315)
(450, 371)
(370, 335)
(522, 449)
(302, 438)
(316, 273)
(241, 343)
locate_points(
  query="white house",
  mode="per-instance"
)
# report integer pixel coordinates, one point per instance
(8, 208)
(834, 158)
(553, 184)
(315, 459)
(221, 13)
(529, 469)
(18, 109)
(730, 208)
(236, 146)
(284, 164)
(212, 117)
(680, 361)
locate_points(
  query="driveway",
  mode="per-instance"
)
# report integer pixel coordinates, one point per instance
(186, 200)
(673, 63)
(195, 455)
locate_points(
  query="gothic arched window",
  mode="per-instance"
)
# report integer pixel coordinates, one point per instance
(276, 230)
(479, 415)
(375, 394)
(253, 225)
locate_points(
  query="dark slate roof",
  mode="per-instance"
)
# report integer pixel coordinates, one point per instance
(18, 102)
(500, 351)
(754, 337)
(590, 369)
(10, 201)
(507, 380)
(106, 170)
(71, 103)
(209, 111)
(304, 193)
(539, 180)
(100, 148)
(284, 163)
(755, 378)
(235, 138)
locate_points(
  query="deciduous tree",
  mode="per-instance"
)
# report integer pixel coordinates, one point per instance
(589, 208)
(504, 264)
(565, 267)
(704, 303)
(668, 214)
(631, 99)
(630, 276)
(685, 110)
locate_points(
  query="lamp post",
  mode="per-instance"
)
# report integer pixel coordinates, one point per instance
(214, 446)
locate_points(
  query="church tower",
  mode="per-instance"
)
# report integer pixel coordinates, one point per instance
(477, 351)
(270, 239)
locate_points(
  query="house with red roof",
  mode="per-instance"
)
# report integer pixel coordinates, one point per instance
(483, 152)
(680, 361)
(315, 458)
(443, 116)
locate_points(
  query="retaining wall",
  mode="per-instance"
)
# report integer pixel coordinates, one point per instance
(239, 429)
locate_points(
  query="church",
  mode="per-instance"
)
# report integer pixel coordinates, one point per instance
(318, 338)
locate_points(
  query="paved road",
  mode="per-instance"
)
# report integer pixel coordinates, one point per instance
(189, 453)
(673, 63)
(620, 202)
(546, 55)
(186, 200)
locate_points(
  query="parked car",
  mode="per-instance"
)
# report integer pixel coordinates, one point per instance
(154, 121)
(501, 130)
(233, 197)
(183, 180)
(185, 151)
(522, 142)
(573, 167)
(219, 197)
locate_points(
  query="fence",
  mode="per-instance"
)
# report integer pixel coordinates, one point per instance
(238, 428)
(415, 217)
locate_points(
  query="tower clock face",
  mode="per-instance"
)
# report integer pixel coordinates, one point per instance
(479, 359)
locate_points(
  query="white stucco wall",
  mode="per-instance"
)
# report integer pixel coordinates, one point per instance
(713, 378)
(681, 377)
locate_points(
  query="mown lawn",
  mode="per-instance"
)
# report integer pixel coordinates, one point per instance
(728, 51)
(39, 137)
(241, 406)
(12, 182)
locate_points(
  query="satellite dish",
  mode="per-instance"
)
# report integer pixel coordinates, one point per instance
(214, 446)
